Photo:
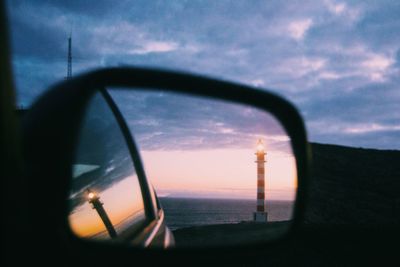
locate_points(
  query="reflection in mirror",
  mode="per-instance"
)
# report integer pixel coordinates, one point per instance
(224, 172)
(105, 199)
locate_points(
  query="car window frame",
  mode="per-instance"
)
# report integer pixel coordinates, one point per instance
(146, 190)
(148, 207)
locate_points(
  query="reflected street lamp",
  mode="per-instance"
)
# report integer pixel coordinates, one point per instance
(94, 199)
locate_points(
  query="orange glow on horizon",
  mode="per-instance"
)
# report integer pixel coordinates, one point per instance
(220, 172)
(120, 201)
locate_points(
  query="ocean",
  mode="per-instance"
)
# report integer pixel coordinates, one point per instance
(187, 212)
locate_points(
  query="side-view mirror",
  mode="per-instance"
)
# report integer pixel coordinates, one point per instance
(130, 157)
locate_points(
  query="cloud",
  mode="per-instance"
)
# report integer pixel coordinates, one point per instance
(298, 29)
(347, 13)
(378, 62)
(336, 8)
(127, 38)
(155, 47)
(344, 117)
(328, 75)
(377, 65)
(301, 66)
(337, 60)
(370, 127)
(165, 121)
(257, 82)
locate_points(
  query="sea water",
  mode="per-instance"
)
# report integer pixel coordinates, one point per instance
(187, 212)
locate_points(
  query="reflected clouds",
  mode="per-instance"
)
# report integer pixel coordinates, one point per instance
(166, 121)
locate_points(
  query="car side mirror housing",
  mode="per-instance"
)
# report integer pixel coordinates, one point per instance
(88, 183)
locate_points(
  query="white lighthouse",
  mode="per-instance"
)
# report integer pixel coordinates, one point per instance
(260, 215)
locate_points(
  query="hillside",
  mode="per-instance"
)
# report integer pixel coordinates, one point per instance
(353, 185)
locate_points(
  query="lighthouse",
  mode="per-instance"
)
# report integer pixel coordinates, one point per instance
(260, 215)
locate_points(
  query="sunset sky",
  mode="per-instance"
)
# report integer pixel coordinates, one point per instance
(119, 203)
(219, 174)
(195, 147)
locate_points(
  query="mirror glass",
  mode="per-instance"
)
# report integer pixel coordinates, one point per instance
(106, 201)
(224, 173)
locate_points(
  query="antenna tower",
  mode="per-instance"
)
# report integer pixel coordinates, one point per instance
(69, 70)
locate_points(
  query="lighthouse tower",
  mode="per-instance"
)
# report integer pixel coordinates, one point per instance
(260, 215)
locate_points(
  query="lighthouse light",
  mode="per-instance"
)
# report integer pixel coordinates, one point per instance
(260, 146)
(91, 195)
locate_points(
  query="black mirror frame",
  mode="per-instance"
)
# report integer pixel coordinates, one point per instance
(56, 117)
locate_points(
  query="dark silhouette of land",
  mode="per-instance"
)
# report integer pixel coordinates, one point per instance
(347, 186)
(229, 234)
(353, 186)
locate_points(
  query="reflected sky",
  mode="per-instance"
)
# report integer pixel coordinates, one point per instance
(219, 173)
(199, 147)
(103, 166)
(122, 204)
(168, 121)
